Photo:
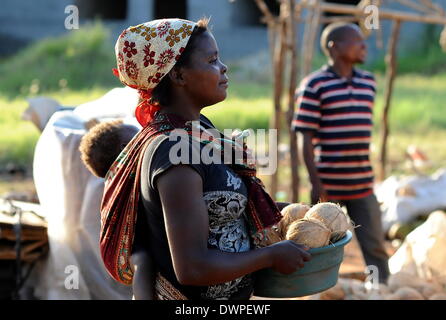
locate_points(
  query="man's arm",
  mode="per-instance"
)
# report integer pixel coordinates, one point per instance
(318, 192)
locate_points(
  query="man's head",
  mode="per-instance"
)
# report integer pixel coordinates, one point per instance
(103, 143)
(344, 41)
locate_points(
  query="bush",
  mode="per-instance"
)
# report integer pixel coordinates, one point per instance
(80, 59)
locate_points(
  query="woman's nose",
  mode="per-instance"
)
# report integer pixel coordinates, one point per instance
(224, 68)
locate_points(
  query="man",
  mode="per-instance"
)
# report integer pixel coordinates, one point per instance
(334, 115)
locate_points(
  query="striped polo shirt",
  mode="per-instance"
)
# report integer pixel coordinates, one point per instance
(339, 112)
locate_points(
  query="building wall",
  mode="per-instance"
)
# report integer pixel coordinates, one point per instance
(23, 21)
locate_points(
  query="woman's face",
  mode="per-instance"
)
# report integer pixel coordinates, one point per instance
(205, 75)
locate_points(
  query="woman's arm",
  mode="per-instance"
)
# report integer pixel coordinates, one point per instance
(143, 275)
(187, 226)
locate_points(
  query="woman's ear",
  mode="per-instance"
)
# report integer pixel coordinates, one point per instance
(176, 76)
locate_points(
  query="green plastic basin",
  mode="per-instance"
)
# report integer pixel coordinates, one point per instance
(318, 274)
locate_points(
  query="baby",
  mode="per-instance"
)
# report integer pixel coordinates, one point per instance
(99, 148)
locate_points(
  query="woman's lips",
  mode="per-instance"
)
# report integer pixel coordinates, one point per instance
(224, 83)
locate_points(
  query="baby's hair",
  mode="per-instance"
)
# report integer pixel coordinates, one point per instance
(101, 146)
(161, 93)
(335, 32)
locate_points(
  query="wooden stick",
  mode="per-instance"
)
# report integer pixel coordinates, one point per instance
(433, 6)
(310, 39)
(339, 19)
(278, 65)
(294, 158)
(383, 13)
(416, 6)
(266, 12)
(390, 76)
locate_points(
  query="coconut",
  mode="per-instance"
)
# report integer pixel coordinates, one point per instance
(405, 293)
(290, 213)
(331, 216)
(272, 235)
(312, 234)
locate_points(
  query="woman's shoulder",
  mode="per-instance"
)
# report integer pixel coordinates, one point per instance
(206, 120)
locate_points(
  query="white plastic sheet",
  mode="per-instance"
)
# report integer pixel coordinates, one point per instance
(423, 252)
(429, 195)
(70, 197)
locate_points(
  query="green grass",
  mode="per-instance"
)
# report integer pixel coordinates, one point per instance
(81, 59)
(18, 137)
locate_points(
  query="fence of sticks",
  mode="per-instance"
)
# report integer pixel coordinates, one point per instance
(290, 64)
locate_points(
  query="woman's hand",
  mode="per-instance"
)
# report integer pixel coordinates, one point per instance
(288, 256)
(187, 226)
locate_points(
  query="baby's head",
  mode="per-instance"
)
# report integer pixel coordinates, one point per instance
(103, 143)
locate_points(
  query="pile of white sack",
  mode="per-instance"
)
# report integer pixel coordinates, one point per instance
(70, 198)
(405, 198)
(418, 269)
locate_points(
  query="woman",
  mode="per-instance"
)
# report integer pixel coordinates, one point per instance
(204, 220)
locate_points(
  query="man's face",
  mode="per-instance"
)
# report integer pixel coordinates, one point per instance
(351, 48)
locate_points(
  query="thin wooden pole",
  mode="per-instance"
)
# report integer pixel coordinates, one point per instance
(416, 6)
(383, 13)
(390, 76)
(310, 36)
(278, 65)
(294, 158)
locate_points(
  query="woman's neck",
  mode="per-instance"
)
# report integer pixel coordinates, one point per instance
(185, 110)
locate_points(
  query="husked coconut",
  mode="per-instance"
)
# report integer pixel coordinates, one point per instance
(272, 235)
(309, 233)
(290, 213)
(405, 293)
(331, 216)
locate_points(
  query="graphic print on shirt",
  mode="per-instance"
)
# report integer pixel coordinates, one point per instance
(227, 232)
(233, 181)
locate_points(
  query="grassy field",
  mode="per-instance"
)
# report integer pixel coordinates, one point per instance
(416, 116)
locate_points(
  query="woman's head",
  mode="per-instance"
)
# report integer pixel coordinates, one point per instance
(149, 52)
(199, 64)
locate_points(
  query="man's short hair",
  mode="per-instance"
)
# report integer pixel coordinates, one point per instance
(335, 32)
(101, 146)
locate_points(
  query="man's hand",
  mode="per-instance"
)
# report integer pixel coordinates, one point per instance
(318, 193)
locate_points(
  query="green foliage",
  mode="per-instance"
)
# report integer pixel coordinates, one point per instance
(80, 59)
(424, 57)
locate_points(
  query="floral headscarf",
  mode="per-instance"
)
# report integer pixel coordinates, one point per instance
(146, 53)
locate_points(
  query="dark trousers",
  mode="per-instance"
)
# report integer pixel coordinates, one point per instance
(366, 214)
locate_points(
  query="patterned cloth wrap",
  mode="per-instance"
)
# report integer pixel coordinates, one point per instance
(122, 182)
